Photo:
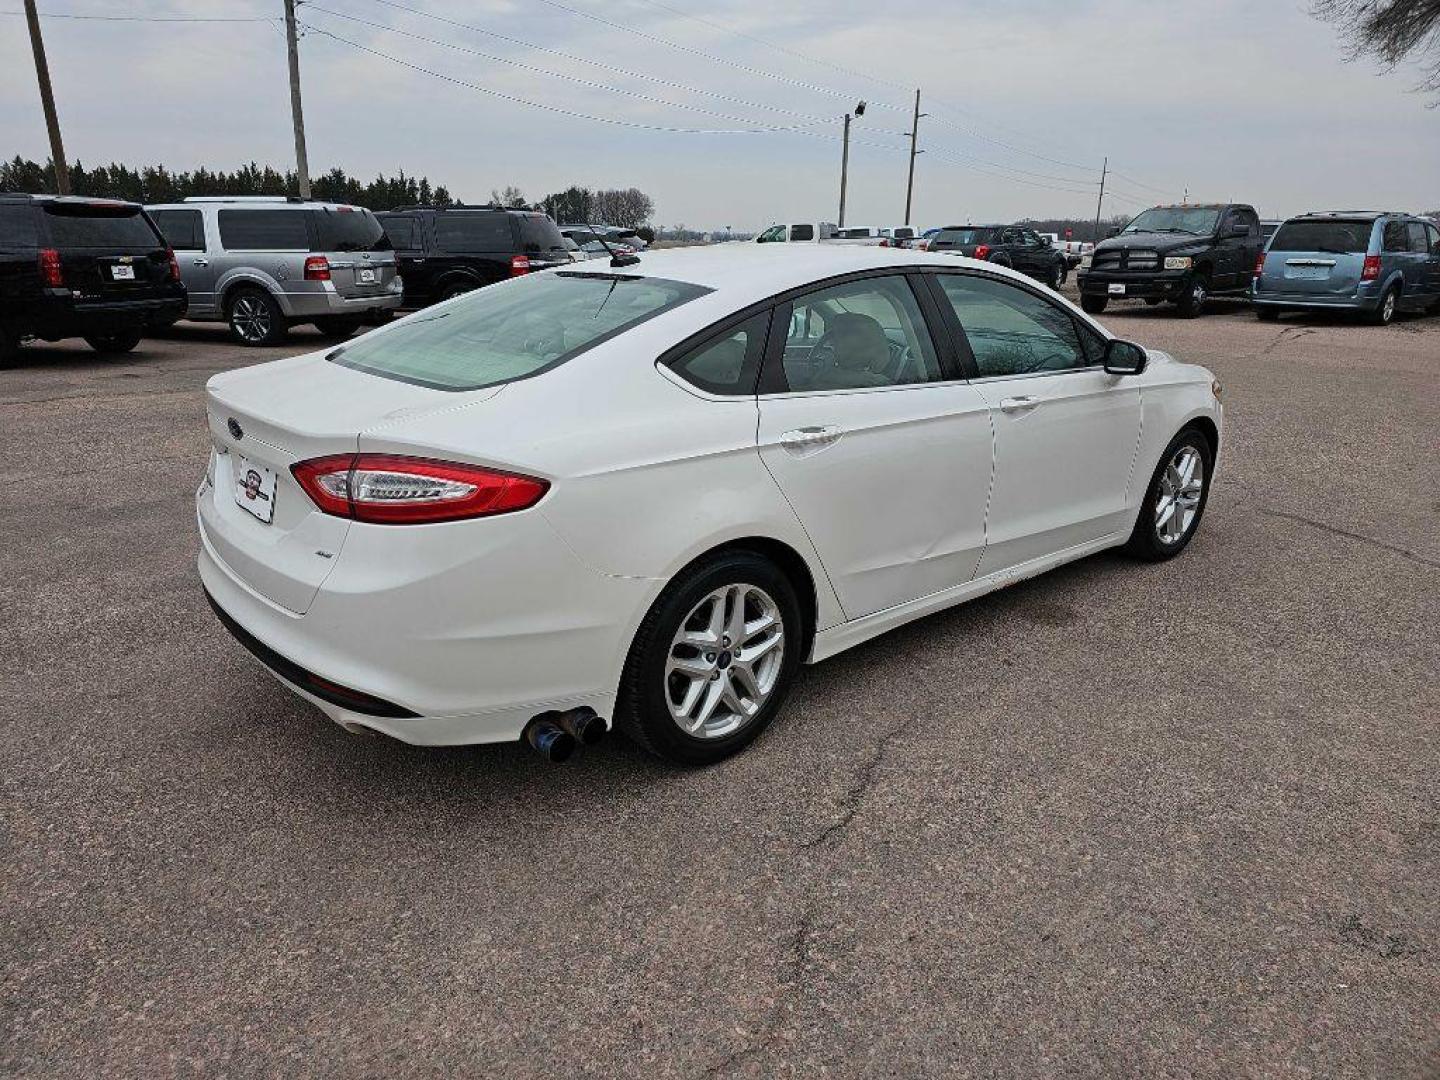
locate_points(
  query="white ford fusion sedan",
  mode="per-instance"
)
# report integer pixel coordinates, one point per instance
(643, 494)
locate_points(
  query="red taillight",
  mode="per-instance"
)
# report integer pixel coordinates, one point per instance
(1371, 270)
(1259, 264)
(519, 264)
(388, 489)
(174, 265)
(51, 273)
(884, 241)
(317, 268)
(982, 251)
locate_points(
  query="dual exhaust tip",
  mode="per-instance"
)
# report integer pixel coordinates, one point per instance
(555, 736)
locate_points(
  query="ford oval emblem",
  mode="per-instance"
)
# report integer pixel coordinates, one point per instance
(235, 429)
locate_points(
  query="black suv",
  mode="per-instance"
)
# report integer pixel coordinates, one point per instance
(87, 268)
(1006, 245)
(1178, 253)
(447, 251)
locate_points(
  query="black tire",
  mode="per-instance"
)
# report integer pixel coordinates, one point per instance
(1056, 277)
(454, 289)
(1267, 314)
(1192, 301)
(1094, 305)
(338, 327)
(1145, 542)
(114, 344)
(254, 318)
(1001, 259)
(1385, 310)
(9, 348)
(643, 711)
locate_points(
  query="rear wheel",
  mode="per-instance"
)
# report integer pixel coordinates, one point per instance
(1175, 500)
(338, 327)
(1093, 305)
(1192, 300)
(255, 319)
(454, 289)
(713, 660)
(114, 344)
(1384, 313)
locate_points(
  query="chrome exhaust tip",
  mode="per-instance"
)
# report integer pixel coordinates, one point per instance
(587, 728)
(549, 740)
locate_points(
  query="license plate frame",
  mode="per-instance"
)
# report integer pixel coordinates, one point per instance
(366, 275)
(1116, 289)
(122, 272)
(255, 489)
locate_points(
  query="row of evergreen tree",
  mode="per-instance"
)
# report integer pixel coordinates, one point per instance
(157, 184)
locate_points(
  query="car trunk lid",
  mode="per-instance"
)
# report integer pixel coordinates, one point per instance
(107, 251)
(1316, 258)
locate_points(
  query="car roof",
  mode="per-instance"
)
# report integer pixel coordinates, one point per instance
(254, 202)
(1352, 214)
(742, 268)
(65, 200)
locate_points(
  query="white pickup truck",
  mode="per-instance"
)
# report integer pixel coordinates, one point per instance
(1073, 250)
(821, 232)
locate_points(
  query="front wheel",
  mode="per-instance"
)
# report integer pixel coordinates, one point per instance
(1175, 500)
(713, 660)
(1192, 300)
(1093, 305)
(113, 344)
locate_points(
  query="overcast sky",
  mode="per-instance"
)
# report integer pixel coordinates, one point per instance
(1230, 99)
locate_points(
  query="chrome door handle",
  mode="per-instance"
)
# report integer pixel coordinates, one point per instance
(1021, 404)
(809, 438)
(202, 262)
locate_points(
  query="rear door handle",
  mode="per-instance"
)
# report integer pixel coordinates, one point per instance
(800, 440)
(1022, 404)
(202, 262)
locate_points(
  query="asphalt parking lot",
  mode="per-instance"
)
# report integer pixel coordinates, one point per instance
(1122, 820)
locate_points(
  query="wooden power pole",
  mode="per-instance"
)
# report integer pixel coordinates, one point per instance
(914, 149)
(1101, 200)
(47, 101)
(297, 114)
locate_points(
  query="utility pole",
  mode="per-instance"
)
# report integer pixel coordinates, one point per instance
(1100, 201)
(47, 102)
(302, 161)
(914, 149)
(845, 162)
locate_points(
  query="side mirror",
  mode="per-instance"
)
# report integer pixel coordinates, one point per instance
(1046, 241)
(1124, 357)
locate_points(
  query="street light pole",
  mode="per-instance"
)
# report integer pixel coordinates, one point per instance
(47, 101)
(302, 161)
(845, 161)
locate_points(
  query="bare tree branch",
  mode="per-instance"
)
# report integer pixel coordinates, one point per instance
(1390, 31)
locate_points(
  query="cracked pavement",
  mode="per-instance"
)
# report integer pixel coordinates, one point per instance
(1122, 820)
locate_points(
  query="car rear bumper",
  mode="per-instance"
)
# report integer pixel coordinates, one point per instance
(62, 317)
(435, 643)
(1358, 301)
(326, 301)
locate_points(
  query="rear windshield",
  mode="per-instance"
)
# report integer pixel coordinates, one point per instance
(513, 330)
(350, 230)
(111, 228)
(17, 226)
(539, 235)
(964, 236)
(1336, 237)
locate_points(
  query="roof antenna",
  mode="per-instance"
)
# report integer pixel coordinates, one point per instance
(617, 260)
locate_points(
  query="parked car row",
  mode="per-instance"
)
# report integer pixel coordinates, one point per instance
(1374, 263)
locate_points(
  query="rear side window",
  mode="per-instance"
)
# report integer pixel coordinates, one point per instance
(1395, 238)
(513, 330)
(346, 229)
(404, 232)
(100, 227)
(462, 232)
(264, 230)
(1434, 238)
(184, 230)
(1417, 237)
(1336, 237)
(17, 227)
(540, 235)
(802, 232)
(728, 363)
(964, 236)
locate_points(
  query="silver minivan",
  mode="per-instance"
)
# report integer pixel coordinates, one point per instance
(1369, 262)
(264, 264)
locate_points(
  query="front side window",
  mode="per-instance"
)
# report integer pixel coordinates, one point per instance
(867, 333)
(512, 330)
(184, 230)
(773, 235)
(1014, 332)
(1434, 234)
(728, 364)
(264, 230)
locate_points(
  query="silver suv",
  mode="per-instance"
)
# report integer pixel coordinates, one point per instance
(265, 264)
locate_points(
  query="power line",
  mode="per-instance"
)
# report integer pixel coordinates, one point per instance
(146, 18)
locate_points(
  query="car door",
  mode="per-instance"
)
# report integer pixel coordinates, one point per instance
(1420, 271)
(404, 231)
(1229, 251)
(1066, 432)
(1251, 245)
(882, 451)
(1432, 236)
(184, 231)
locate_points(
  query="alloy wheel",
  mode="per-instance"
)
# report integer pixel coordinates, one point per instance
(251, 318)
(724, 661)
(1178, 500)
(1387, 314)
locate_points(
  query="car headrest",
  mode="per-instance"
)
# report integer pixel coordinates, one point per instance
(860, 344)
